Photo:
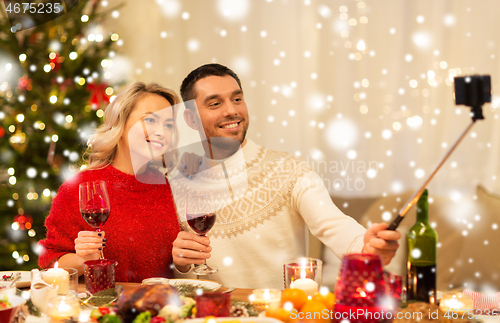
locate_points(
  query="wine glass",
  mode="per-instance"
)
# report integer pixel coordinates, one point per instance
(94, 204)
(200, 217)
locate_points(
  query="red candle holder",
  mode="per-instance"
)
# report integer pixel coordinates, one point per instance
(360, 292)
(99, 275)
(394, 285)
(213, 304)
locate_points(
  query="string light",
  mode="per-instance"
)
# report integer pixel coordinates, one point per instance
(109, 91)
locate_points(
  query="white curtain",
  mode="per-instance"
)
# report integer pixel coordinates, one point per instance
(362, 86)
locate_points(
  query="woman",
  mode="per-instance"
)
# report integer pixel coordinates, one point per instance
(138, 130)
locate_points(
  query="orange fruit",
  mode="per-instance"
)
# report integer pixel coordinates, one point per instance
(296, 296)
(314, 312)
(327, 299)
(281, 314)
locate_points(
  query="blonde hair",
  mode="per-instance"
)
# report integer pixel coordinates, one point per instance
(101, 146)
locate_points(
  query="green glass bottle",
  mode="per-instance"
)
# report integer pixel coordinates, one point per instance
(421, 257)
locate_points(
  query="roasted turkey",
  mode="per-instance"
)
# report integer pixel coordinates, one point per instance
(146, 298)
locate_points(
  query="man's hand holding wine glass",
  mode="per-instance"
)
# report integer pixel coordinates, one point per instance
(190, 248)
(194, 248)
(89, 244)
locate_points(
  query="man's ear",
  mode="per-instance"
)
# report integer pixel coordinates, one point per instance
(191, 119)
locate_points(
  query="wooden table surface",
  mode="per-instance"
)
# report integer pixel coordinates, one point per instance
(239, 293)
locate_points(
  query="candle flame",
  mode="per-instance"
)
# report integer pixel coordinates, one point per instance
(266, 294)
(453, 302)
(64, 307)
(361, 292)
(56, 265)
(303, 274)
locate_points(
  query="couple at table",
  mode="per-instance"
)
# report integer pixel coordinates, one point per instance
(260, 224)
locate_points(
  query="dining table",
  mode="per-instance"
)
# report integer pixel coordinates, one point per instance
(240, 294)
(237, 294)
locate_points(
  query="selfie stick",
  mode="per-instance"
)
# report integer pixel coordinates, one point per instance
(475, 93)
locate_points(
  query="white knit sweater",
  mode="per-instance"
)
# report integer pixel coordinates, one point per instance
(265, 200)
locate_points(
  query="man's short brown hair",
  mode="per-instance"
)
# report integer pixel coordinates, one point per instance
(214, 69)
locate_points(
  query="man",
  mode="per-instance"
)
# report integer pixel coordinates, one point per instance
(266, 225)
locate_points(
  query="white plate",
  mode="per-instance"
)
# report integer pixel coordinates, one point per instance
(25, 280)
(241, 319)
(208, 284)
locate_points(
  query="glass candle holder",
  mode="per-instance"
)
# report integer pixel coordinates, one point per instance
(360, 292)
(263, 299)
(456, 302)
(213, 304)
(99, 275)
(304, 273)
(63, 308)
(394, 285)
(73, 280)
(65, 278)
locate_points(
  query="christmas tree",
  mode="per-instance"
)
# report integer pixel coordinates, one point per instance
(52, 92)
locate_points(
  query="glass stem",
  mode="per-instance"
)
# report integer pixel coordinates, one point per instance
(101, 256)
(205, 263)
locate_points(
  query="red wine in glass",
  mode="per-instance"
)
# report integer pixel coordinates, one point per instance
(95, 218)
(94, 204)
(200, 217)
(201, 223)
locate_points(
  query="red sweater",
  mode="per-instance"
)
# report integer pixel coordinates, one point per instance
(140, 229)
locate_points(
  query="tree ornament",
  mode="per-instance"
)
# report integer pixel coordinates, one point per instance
(2, 132)
(55, 62)
(25, 83)
(19, 141)
(24, 221)
(98, 95)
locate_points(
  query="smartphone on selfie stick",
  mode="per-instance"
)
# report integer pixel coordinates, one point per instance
(472, 91)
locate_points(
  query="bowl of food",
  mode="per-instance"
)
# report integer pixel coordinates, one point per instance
(9, 306)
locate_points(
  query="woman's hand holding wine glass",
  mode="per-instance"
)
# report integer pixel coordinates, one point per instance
(95, 209)
(90, 244)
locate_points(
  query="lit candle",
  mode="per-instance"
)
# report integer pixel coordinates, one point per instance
(309, 286)
(263, 299)
(63, 308)
(57, 277)
(459, 303)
